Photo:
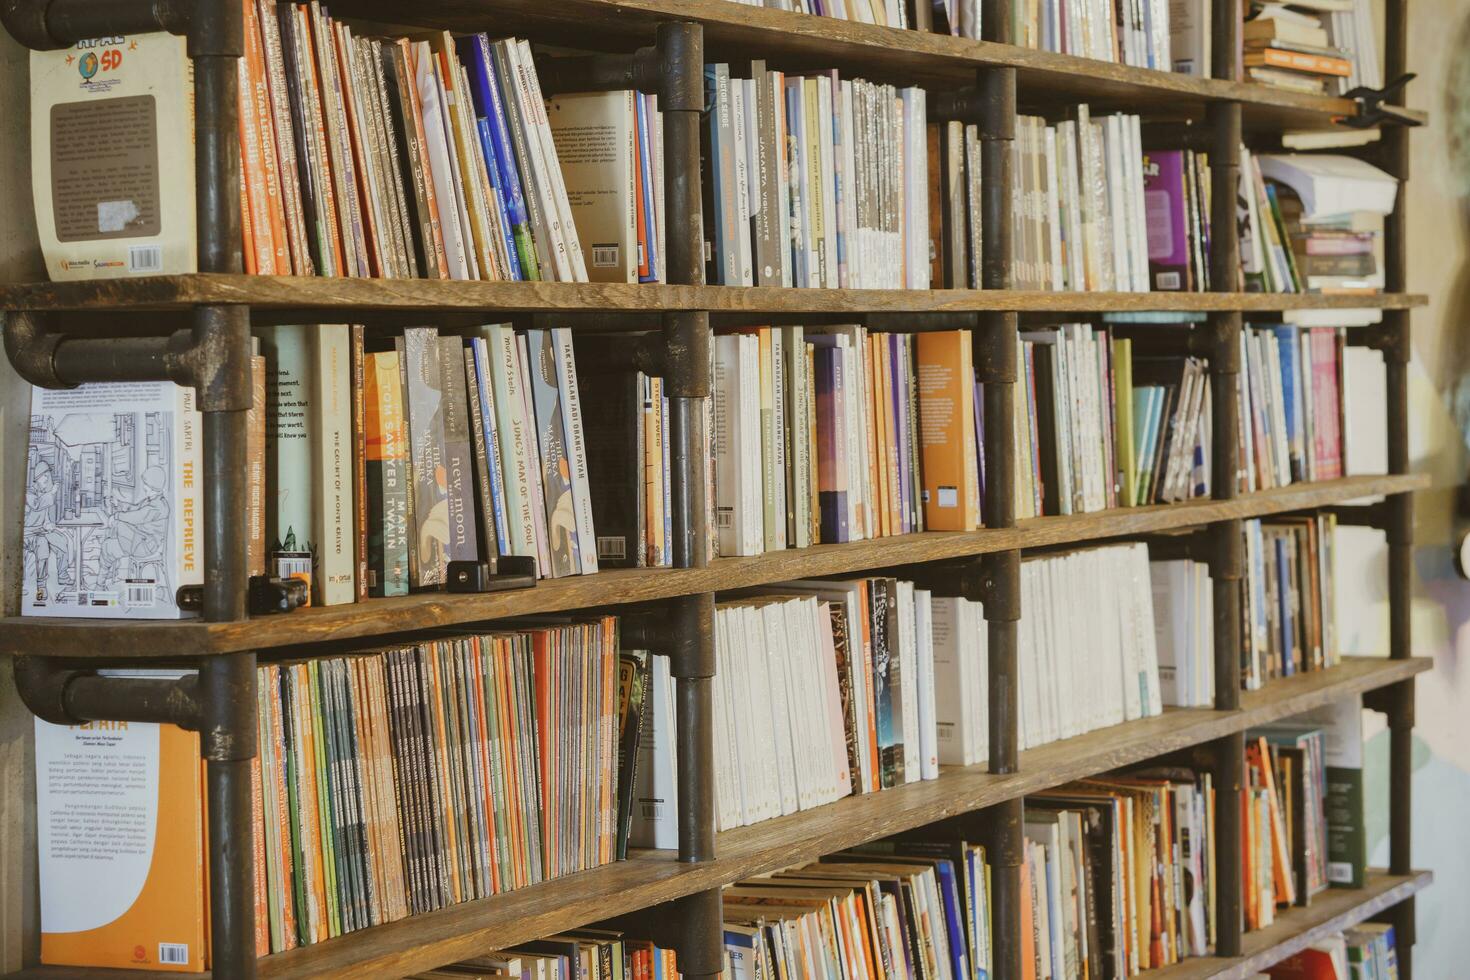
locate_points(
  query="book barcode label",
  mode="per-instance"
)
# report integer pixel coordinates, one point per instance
(1339, 872)
(140, 593)
(1168, 280)
(651, 811)
(612, 547)
(725, 517)
(177, 953)
(604, 256)
(145, 258)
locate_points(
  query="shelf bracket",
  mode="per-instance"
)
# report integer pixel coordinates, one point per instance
(65, 696)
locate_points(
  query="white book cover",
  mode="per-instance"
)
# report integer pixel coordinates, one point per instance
(114, 505)
(928, 736)
(820, 624)
(726, 811)
(538, 484)
(954, 705)
(566, 381)
(828, 150)
(441, 170)
(915, 189)
(753, 530)
(748, 745)
(555, 188)
(779, 535)
(908, 642)
(332, 524)
(112, 151)
(655, 820)
(516, 452)
(596, 136)
(741, 140)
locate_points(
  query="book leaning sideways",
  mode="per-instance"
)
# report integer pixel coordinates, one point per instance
(120, 839)
(113, 501)
(112, 129)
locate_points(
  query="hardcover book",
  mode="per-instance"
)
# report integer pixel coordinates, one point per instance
(113, 501)
(556, 466)
(424, 393)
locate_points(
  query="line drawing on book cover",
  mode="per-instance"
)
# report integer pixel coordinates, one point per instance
(98, 521)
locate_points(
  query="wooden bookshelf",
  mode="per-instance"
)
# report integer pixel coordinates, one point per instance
(431, 610)
(1217, 112)
(1297, 928)
(304, 294)
(652, 877)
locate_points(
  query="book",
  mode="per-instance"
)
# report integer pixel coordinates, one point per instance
(121, 885)
(546, 394)
(421, 362)
(459, 480)
(333, 446)
(111, 142)
(114, 501)
(387, 476)
(948, 439)
(596, 135)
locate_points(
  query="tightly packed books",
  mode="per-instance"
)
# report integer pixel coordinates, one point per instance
(1365, 952)
(1120, 874)
(1323, 48)
(461, 447)
(1289, 606)
(814, 180)
(1126, 32)
(590, 954)
(1292, 406)
(396, 782)
(1184, 630)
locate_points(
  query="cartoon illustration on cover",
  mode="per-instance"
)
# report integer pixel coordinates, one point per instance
(98, 520)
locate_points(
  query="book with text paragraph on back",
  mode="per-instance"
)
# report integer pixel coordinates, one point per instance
(120, 843)
(112, 151)
(113, 503)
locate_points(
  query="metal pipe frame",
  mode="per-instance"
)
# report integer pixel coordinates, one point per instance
(214, 358)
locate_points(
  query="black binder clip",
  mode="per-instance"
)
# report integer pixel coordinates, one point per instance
(500, 574)
(1375, 111)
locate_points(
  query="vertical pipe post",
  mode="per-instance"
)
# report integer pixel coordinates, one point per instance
(680, 48)
(1397, 353)
(216, 41)
(995, 354)
(1226, 545)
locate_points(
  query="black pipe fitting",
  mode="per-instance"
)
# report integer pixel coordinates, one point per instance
(45, 25)
(640, 70)
(680, 51)
(686, 354)
(64, 696)
(996, 349)
(227, 688)
(1001, 587)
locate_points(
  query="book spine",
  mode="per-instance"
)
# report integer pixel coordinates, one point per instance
(458, 461)
(386, 476)
(423, 395)
(359, 463)
(556, 468)
(482, 460)
(332, 520)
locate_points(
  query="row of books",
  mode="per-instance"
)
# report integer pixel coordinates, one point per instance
(1292, 407)
(1119, 874)
(402, 781)
(1289, 605)
(1124, 32)
(578, 954)
(815, 180)
(1365, 952)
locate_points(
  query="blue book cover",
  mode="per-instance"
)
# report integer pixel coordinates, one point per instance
(1291, 398)
(497, 191)
(1283, 604)
(486, 95)
(796, 151)
(650, 203)
(953, 906)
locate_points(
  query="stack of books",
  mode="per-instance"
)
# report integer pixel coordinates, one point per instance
(1288, 46)
(1119, 874)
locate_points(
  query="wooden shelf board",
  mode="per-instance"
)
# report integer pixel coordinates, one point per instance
(649, 878)
(1297, 928)
(154, 639)
(794, 41)
(316, 294)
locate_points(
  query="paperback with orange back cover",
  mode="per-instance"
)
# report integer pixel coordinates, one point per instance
(120, 839)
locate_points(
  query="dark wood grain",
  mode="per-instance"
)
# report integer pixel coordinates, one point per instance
(650, 878)
(307, 295)
(1295, 929)
(91, 638)
(736, 32)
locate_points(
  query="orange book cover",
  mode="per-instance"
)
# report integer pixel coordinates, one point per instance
(120, 843)
(247, 231)
(1028, 914)
(947, 430)
(257, 203)
(1316, 64)
(256, 99)
(1247, 859)
(257, 835)
(276, 746)
(1258, 755)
